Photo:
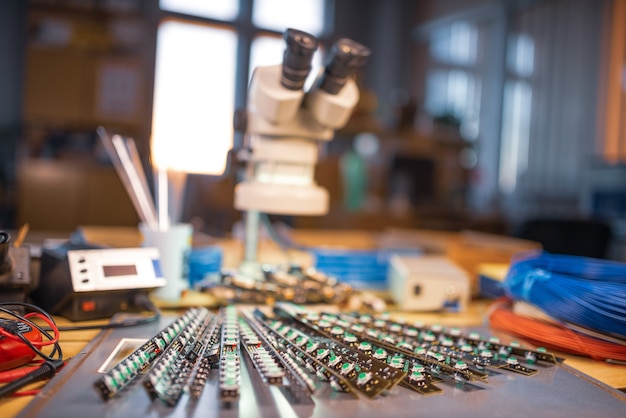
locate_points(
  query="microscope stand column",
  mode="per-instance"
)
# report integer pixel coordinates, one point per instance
(250, 265)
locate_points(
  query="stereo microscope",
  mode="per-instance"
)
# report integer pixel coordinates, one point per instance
(284, 127)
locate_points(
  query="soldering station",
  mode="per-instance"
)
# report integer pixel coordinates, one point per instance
(182, 330)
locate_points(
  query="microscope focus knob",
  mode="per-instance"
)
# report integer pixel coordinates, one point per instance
(240, 120)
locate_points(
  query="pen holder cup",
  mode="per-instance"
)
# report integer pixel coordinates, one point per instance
(174, 245)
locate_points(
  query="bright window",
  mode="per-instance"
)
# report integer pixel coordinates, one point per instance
(278, 15)
(516, 111)
(198, 83)
(515, 134)
(222, 9)
(193, 97)
(452, 90)
(455, 44)
(521, 55)
(455, 94)
(266, 50)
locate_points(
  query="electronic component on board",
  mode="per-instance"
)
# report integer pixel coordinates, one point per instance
(139, 360)
(394, 356)
(230, 357)
(297, 377)
(468, 349)
(334, 356)
(299, 350)
(295, 346)
(208, 355)
(168, 378)
(444, 353)
(295, 285)
(263, 361)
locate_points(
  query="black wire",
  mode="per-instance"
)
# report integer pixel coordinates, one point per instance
(140, 300)
(29, 306)
(34, 325)
(143, 301)
(56, 346)
(38, 351)
(47, 370)
(123, 324)
(51, 365)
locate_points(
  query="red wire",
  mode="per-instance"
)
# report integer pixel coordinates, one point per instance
(553, 336)
(26, 393)
(10, 375)
(50, 323)
(37, 344)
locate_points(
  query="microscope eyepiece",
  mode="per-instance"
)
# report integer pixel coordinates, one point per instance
(297, 58)
(346, 57)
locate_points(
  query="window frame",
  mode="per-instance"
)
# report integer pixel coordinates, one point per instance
(473, 69)
(246, 32)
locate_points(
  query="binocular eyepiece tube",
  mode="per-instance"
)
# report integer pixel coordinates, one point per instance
(297, 58)
(345, 58)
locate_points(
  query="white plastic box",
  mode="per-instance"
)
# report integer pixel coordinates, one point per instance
(428, 283)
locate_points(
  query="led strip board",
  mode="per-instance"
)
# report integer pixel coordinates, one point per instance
(358, 372)
(421, 371)
(208, 355)
(141, 359)
(261, 357)
(470, 347)
(298, 350)
(290, 347)
(418, 377)
(167, 378)
(469, 351)
(295, 374)
(230, 357)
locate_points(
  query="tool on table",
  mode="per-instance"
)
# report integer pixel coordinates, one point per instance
(82, 281)
(15, 277)
(123, 154)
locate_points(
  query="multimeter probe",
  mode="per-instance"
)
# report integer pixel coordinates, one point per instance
(21, 341)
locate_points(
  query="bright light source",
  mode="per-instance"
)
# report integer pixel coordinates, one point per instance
(194, 89)
(223, 9)
(515, 134)
(306, 15)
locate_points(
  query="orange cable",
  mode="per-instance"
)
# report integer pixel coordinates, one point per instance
(552, 335)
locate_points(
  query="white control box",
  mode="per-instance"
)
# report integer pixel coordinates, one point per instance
(428, 283)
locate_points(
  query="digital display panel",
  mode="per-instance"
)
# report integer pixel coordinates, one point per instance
(122, 270)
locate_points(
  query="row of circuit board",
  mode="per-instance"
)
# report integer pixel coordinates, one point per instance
(303, 351)
(297, 285)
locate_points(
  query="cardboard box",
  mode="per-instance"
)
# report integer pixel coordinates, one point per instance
(469, 249)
